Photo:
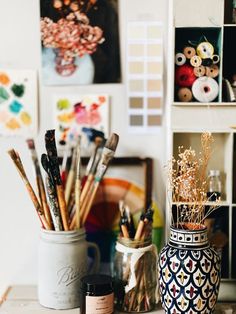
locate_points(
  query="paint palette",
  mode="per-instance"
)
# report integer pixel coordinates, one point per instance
(74, 114)
(18, 102)
(144, 75)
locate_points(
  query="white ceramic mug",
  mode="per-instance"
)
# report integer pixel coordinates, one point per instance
(63, 260)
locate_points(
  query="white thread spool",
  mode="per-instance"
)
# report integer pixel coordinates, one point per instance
(180, 58)
(205, 89)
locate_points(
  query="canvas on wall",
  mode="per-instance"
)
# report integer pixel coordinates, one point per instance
(80, 42)
(84, 115)
(18, 102)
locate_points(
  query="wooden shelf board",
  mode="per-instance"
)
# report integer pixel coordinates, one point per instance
(229, 25)
(200, 104)
(222, 203)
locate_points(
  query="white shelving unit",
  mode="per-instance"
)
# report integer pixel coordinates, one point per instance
(187, 120)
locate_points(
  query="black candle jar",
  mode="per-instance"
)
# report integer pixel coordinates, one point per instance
(96, 295)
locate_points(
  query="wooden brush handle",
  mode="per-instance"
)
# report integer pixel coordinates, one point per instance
(37, 205)
(62, 205)
(44, 202)
(69, 183)
(139, 230)
(125, 232)
(77, 203)
(90, 203)
(83, 204)
(86, 188)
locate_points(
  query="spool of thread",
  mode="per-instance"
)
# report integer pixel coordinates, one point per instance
(184, 76)
(207, 62)
(215, 59)
(180, 58)
(212, 71)
(205, 89)
(189, 52)
(196, 61)
(199, 71)
(205, 50)
(185, 94)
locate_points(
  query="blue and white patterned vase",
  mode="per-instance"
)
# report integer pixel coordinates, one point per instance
(189, 273)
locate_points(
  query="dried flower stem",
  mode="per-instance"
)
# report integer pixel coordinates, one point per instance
(188, 183)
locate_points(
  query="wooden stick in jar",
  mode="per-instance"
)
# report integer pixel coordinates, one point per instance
(19, 166)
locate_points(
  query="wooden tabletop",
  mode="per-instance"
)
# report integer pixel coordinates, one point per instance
(23, 300)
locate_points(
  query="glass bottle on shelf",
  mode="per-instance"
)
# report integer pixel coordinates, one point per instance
(214, 186)
(234, 12)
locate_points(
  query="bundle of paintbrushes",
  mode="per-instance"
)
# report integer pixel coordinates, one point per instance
(61, 202)
(135, 265)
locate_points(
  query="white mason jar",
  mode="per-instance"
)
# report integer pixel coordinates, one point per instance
(63, 260)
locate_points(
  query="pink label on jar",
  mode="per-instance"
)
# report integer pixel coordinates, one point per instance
(100, 305)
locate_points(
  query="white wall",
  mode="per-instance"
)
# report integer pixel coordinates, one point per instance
(20, 48)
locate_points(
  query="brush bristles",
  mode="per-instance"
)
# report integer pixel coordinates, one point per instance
(98, 141)
(17, 161)
(12, 154)
(112, 142)
(30, 143)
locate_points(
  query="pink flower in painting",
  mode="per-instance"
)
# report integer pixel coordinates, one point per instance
(90, 115)
(80, 113)
(94, 116)
(73, 35)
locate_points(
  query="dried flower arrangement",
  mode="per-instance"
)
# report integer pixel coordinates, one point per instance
(188, 185)
(71, 34)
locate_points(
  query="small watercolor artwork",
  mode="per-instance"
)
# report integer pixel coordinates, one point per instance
(80, 115)
(18, 102)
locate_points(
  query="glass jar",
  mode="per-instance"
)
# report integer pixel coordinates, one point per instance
(97, 296)
(135, 275)
(214, 186)
(62, 261)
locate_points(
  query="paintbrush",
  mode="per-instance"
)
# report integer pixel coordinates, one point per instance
(71, 177)
(52, 195)
(91, 168)
(90, 171)
(39, 181)
(19, 166)
(77, 189)
(64, 165)
(144, 222)
(55, 171)
(107, 154)
(123, 220)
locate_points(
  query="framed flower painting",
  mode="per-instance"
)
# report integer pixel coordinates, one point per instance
(80, 42)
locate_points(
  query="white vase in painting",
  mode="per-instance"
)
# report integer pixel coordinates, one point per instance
(58, 72)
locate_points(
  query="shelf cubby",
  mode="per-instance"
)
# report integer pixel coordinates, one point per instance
(229, 64)
(192, 37)
(233, 259)
(220, 154)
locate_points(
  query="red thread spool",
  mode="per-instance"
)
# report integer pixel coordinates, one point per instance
(184, 76)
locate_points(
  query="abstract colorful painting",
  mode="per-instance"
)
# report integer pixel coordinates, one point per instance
(18, 102)
(80, 115)
(80, 42)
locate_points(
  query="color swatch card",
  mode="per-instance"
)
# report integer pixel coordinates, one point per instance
(144, 76)
(18, 102)
(80, 115)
